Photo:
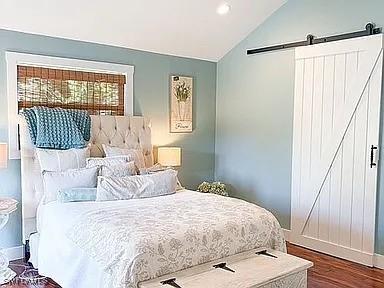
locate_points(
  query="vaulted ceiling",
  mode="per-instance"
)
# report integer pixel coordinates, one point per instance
(189, 28)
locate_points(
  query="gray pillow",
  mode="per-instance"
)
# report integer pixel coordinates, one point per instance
(118, 170)
(134, 154)
(107, 161)
(72, 178)
(139, 186)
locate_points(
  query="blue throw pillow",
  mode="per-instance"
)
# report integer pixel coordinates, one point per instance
(77, 195)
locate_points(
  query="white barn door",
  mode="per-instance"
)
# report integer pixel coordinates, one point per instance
(336, 135)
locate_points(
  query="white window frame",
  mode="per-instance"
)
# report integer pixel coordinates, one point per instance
(14, 59)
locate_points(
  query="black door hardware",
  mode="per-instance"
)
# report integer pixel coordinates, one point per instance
(223, 266)
(372, 149)
(265, 253)
(171, 282)
(311, 40)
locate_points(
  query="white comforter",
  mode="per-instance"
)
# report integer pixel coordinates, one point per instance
(146, 238)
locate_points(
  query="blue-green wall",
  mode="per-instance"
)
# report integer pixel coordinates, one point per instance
(255, 102)
(151, 84)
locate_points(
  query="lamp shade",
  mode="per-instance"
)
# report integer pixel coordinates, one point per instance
(3, 155)
(169, 156)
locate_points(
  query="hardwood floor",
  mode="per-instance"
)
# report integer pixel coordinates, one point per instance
(19, 266)
(331, 272)
(327, 272)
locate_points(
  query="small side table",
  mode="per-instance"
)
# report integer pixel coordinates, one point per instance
(7, 206)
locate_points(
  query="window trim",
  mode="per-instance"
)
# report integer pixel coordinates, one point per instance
(13, 59)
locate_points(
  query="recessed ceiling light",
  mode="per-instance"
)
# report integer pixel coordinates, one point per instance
(223, 9)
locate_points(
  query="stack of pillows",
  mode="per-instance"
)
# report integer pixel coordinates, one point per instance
(72, 176)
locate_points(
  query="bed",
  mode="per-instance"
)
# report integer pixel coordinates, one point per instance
(121, 243)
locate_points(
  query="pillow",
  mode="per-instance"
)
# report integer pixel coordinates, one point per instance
(158, 168)
(139, 186)
(154, 168)
(61, 160)
(117, 166)
(107, 161)
(76, 195)
(135, 154)
(118, 170)
(55, 181)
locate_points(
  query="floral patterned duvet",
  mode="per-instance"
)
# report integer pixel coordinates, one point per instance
(152, 237)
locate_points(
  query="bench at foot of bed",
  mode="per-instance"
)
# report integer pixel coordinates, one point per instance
(256, 268)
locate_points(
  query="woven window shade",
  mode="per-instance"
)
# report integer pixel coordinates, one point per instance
(98, 93)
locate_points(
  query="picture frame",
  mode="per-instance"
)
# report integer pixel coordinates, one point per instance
(181, 104)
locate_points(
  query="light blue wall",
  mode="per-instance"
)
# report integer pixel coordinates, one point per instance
(255, 102)
(151, 84)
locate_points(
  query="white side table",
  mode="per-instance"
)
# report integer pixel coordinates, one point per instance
(7, 206)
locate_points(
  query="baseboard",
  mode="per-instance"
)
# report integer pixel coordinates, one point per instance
(338, 251)
(14, 253)
(378, 261)
(287, 233)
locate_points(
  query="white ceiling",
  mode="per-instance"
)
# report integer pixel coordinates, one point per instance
(189, 28)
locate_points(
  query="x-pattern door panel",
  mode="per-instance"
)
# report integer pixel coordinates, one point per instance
(336, 121)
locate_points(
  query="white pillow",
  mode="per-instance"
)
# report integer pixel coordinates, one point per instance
(135, 154)
(153, 169)
(107, 161)
(61, 160)
(156, 169)
(118, 170)
(55, 181)
(133, 187)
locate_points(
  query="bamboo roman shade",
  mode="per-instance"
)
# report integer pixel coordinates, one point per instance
(98, 93)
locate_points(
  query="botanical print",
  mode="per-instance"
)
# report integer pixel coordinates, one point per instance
(181, 103)
(148, 238)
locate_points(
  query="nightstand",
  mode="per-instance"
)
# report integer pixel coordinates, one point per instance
(7, 206)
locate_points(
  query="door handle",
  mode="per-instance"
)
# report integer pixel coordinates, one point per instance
(372, 152)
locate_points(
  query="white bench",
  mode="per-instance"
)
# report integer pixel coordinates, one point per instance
(249, 270)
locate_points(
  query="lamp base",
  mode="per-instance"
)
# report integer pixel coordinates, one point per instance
(6, 275)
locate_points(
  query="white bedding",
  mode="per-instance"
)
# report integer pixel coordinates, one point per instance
(119, 243)
(58, 257)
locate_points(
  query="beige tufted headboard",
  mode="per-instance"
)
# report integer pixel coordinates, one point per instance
(122, 131)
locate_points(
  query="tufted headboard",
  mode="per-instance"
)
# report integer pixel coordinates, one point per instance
(122, 131)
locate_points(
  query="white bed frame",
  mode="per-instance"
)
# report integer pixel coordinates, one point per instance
(135, 132)
(122, 131)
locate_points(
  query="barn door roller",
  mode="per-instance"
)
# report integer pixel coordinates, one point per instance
(311, 40)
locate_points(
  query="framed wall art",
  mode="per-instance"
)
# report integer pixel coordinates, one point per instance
(181, 91)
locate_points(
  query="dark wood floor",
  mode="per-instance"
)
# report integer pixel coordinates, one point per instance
(331, 272)
(327, 272)
(19, 266)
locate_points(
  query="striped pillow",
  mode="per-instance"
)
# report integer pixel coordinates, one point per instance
(62, 160)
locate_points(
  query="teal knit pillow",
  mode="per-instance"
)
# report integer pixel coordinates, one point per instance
(77, 195)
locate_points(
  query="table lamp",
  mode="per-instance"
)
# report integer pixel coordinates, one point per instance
(3, 155)
(169, 156)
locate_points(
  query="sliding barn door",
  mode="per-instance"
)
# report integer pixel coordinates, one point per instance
(336, 136)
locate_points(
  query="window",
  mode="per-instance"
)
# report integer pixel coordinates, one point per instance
(98, 93)
(33, 80)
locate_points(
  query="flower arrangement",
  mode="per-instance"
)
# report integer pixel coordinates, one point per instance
(214, 187)
(182, 92)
